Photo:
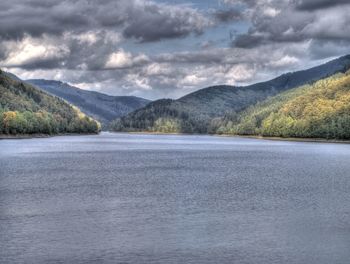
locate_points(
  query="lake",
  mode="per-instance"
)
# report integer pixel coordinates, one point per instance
(132, 198)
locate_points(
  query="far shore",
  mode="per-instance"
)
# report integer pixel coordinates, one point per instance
(25, 136)
(313, 140)
(30, 136)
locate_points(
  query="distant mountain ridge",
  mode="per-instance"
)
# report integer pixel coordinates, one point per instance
(274, 86)
(194, 113)
(102, 107)
(319, 110)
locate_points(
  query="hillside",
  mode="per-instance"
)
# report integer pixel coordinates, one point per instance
(102, 107)
(25, 109)
(195, 112)
(320, 110)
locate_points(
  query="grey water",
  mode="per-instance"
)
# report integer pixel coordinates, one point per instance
(126, 198)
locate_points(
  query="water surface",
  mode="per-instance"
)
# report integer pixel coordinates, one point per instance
(119, 198)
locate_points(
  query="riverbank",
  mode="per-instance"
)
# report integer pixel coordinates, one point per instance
(25, 136)
(313, 140)
(29, 136)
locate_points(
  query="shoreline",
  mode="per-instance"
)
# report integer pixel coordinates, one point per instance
(32, 136)
(289, 139)
(310, 140)
(25, 136)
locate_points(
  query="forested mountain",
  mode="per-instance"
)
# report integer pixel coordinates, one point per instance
(320, 110)
(24, 109)
(197, 112)
(102, 107)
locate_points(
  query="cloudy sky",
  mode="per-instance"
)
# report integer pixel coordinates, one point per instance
(168, 48)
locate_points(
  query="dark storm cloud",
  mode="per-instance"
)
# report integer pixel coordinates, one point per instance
(153, 23)
(328, 49)
(52, 32)
(143, 20)
(282, 22)
(41, 64)
(38, 17)
(310, 5)
(247, 41)
(227, 15)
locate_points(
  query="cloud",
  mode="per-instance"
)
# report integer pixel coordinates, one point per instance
(239, 73)
(86, 35)
(228, 15)
(139, 19)
(153, 22)
(119, 59)
(284, 61)
(88, 50)
(242, 2)
(32, 53)
(284, 22)
(311, 5)
(122, 59)
(155, 50)
(176, 74)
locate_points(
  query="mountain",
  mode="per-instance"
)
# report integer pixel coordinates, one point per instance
(12, 76)
(102, 107)
(197, 112)
(24, 109)
(319, 110)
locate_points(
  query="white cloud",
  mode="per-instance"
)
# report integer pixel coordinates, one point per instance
(191, 81)
(239, 73)
(121, 59)
(20, 53)
(285, 61)
(156, 69)
(88, 38)
(271, 12)
(136, 80)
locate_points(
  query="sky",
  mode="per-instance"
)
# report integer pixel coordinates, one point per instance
(168, 48)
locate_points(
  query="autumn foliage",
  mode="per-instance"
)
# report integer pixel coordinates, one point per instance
(319, 110)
